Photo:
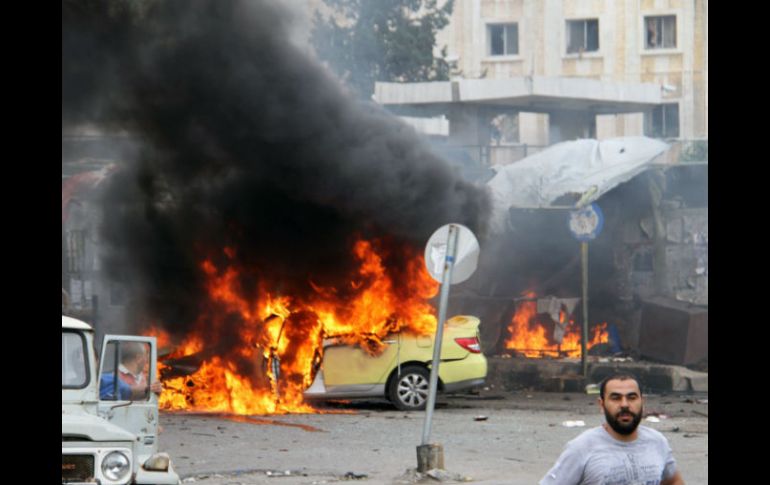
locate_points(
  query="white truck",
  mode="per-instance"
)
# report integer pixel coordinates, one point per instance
(110, 439)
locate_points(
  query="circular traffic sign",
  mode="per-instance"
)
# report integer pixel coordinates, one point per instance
(586, 223)
(466, 255)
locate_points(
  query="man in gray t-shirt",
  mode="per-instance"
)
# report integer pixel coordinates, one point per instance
(620, 452)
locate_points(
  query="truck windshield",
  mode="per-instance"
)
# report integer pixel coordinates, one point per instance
(74, 372)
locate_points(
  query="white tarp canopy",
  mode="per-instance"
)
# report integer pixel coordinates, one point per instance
(579, 168)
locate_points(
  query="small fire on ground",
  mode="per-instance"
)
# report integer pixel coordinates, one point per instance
(535, 334)
(272, 359)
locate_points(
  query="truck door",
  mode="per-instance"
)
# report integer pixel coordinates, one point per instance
(127, 367)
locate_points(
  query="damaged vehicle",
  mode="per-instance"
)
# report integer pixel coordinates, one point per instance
(401, 373)
(111, 440)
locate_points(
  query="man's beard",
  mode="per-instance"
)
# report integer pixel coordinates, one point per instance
(622, 428)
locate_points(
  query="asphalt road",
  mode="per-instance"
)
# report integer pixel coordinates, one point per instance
(372, 443)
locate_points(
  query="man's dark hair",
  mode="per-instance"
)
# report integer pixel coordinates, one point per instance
(618, 376)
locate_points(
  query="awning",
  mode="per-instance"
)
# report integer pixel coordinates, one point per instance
(534, 94)
(581, 170)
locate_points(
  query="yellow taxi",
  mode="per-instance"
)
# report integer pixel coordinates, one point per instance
(401, 373)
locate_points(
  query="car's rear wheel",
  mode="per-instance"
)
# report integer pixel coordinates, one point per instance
(408, 391)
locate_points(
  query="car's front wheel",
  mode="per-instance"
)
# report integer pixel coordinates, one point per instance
(408, 391)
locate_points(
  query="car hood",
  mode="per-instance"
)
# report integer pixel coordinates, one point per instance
(92, 427)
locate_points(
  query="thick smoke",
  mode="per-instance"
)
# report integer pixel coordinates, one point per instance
(249, 144)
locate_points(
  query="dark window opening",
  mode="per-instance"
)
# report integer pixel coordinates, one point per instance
(663, 122)
(661, 32)
(582, 36)
(503, 39)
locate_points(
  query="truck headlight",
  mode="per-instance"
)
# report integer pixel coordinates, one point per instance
(116, 466)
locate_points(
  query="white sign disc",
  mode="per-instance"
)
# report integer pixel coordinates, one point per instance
(466, 256)
(586, 223)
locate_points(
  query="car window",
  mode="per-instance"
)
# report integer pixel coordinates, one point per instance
(74, 371)
(124, 371)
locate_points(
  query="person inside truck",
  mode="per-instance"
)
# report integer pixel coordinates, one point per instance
(132, 380)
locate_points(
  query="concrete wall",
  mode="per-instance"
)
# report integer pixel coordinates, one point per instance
(686, 255)
(89, 289)
(622, 56)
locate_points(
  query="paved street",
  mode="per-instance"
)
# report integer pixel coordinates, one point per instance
(371, 442)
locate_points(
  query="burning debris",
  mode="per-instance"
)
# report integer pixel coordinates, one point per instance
(265, 210)
(529, 335)
(280, 337)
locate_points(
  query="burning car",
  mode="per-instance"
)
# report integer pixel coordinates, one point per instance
(107, 441)
(401, 372)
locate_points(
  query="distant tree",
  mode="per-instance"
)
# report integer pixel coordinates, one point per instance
(364, 41)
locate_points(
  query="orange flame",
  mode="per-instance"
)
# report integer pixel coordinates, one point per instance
(283, 335)
(531, 338)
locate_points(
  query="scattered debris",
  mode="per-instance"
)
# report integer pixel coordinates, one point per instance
(573, 424)
(706, 415)
(412, 476)
(278, 473)
(656, 414)
(480, 418)
(675, 429)
(703, 401)
(592, 389)
(690, 435)
(652, 419)
(355, 476)
(622, 359)
(249, 419)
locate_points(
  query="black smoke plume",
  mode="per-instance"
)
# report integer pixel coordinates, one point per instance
(248, 144)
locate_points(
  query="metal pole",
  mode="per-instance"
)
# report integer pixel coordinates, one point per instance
(446, 282)
(584, 340)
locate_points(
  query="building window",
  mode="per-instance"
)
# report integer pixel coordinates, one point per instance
(503, 128)
(582, 36)
(76, 249)
(664, 121)
(503, 39)
(661, 32)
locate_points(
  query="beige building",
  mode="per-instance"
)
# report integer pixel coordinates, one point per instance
(535, 72)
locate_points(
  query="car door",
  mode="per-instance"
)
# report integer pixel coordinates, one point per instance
(136, 415)
(350, 367)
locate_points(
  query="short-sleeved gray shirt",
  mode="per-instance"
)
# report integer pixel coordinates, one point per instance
(596, 458)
